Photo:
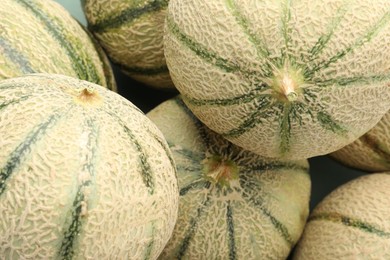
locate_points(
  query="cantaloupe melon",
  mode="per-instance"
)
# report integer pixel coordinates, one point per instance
(84, 174)
(233, 203)
(371, 152)
(352, 222)
(292, 79)
(131, 31)
(41, 36)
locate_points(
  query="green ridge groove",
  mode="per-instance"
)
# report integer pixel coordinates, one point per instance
(249, 76)
(85, 69)
(286, 32)
(350, 222)
(187, 168)
(193, 228)
(324, 39)
(263, 111)
(285, 128)
(150, 246)
(250, 198)
(230, 227)
(345, 81)
(237, 100)
(128, 15)
(71, 235)
(14, 101)
(15, 57)
(274, 166)
(201, 51)
(23, 149)
(166, 149)
(107, 69)
(147, 175)
(188, 154)
(144, 71)
(328, 123)
(358, 43)
(199, 184)
(262, 51)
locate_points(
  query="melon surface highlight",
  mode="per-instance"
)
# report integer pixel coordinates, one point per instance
(84, 174)
(233, 203)
(41, 36)
(132, 34)
(352, 222)
(291, 79)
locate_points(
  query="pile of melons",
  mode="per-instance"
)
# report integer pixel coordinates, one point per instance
(217, 167)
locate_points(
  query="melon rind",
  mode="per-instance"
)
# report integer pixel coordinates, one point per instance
(371, 152)
(42, 36)
(352, 222)
(223, 55)
(259, 215)
(84, 174)
(132, 34)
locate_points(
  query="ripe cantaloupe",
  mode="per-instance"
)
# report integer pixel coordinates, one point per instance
(233, 203)
(41, 36)
(291, 79)
(84, 174)
(131, 31)
(351, 223)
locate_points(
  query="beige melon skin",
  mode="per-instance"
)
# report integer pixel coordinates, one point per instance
(41, 36)
(132, 34)
(80, 163)
(351, 223)
(233, 204)
(371, 152)
(284, 79)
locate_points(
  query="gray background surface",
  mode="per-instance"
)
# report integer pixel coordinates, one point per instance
(326, 174)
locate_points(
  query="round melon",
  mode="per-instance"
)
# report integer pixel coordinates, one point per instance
(352, 222)
(291, 79)
(41, 36)
(131, 31)
(84, 174)
(233, 203)
(371, 152)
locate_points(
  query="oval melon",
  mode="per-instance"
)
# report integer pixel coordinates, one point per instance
(292, 79)
(371, 152)
(233, 203)
(84, 174)
(132, 34)
(352, 222)
(41, 36)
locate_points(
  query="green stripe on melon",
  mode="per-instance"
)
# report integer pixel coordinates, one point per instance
(282, 78)
(233, 204)
(132, 34)
(41, 36)
(83, 173)
(127, 15)
(350, 222)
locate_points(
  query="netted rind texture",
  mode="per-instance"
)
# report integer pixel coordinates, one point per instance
(132, 34)
(228, 57)
(41, 36)
(371, 152)
(352, 222)
(84, 174)
(260, 214)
